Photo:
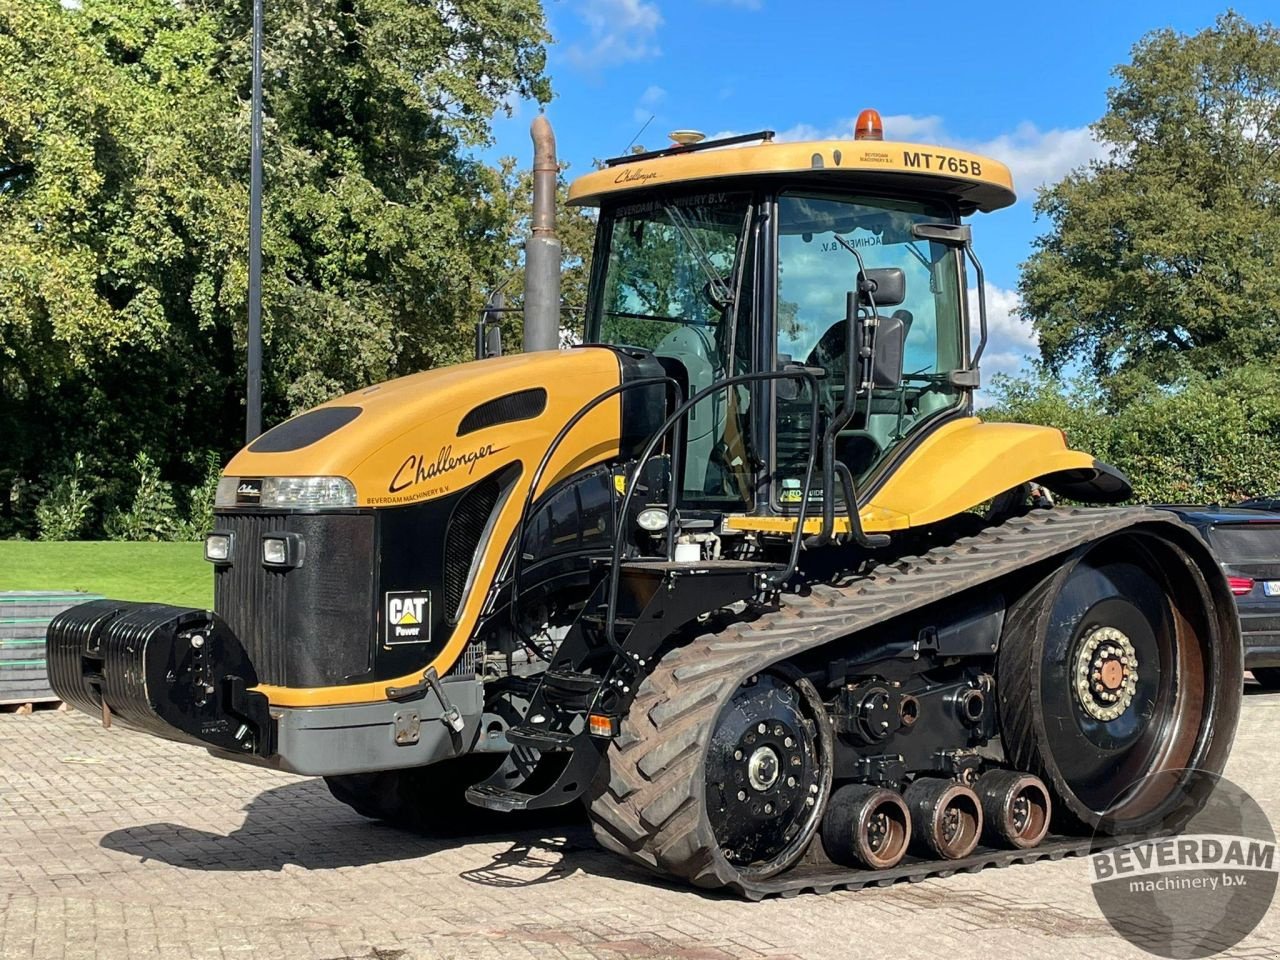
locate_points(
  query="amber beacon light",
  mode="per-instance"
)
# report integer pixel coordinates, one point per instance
(869, 126)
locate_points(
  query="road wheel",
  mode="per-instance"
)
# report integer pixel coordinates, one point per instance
(714, 791)
(1115, 667)
(1267, 677)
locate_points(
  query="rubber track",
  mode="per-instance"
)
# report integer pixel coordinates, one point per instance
(647, 800)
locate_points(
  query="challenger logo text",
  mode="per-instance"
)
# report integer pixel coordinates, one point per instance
(417, 469)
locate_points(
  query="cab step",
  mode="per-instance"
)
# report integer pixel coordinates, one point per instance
(502, 799)
(570, 691)
(539, 738)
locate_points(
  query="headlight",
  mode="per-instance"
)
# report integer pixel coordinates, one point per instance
(217, 547)
(308, 492)
(275, 551)
(286, 492)
(226, 495)
(283, 550)
(653, 519)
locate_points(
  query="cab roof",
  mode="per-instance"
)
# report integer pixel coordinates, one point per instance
(893, 167)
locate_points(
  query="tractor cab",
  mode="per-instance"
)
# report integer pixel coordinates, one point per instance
(833, 271)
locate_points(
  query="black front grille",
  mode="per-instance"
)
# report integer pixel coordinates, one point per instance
(249, 597)
(466, 526)
(310, 626)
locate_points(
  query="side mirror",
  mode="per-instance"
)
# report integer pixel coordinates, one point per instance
(488, 331)
(888, 285)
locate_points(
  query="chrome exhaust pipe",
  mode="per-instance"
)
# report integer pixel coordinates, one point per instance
(542, 249)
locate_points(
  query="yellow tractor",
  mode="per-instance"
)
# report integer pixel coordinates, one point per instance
(743, 573)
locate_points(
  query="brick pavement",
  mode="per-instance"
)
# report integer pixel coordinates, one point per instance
(114, 844)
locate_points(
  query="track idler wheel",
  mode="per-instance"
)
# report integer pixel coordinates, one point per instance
(866, 826)
(946, 818)
(1015, 809)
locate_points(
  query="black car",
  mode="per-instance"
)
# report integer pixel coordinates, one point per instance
(1246, 541)
(1261, 503)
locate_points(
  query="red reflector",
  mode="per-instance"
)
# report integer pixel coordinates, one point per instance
(1240, 585)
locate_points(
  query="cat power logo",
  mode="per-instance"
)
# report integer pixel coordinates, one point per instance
(408, 617)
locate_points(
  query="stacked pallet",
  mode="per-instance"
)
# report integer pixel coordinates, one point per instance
(24, 617)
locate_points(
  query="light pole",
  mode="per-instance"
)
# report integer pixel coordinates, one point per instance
(253, 396)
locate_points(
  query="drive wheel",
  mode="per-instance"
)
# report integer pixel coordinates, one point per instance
(715, 789)
(1116, 667)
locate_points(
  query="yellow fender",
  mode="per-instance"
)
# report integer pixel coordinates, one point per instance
(967, 462)
(964, 463)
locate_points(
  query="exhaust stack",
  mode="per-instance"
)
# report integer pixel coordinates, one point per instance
(542, 249)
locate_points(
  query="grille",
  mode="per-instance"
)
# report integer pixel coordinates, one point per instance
(468, 662)
(304, 430)
(249, 597)
(307, 627)
(466, 526)
(522, 405)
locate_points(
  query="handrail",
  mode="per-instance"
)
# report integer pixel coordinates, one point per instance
(678, 415)
(573, 421)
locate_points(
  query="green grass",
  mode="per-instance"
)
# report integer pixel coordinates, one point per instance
(174, 573)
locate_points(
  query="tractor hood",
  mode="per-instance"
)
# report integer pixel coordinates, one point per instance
(430, 434)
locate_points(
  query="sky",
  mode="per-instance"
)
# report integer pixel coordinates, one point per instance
(1018, 81)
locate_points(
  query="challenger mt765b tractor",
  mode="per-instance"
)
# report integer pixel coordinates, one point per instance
(743, 573)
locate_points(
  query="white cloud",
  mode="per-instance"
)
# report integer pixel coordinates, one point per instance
(1040, 157)
(1006, 327)
(648, 103)
(618, 31)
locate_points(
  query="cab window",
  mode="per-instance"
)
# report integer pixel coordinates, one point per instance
(817, 268)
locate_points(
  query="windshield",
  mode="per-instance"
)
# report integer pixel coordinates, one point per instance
(670, 284)
(670, 263)
(1255, 541)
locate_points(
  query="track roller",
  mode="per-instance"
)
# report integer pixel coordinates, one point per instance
(1016, 809)
(866, 826)
(946, 817)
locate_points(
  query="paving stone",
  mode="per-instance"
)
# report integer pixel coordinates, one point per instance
(117, 845)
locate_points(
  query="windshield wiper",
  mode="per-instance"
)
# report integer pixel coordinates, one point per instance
(715, 282)
(652, 316)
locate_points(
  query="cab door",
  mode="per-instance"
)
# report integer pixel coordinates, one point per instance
(817, 238)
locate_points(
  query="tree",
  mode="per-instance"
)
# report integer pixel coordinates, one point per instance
(1164, 259)
(123, 216)
(1210, 441)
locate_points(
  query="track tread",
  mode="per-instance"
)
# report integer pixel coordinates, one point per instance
(1018, 670)
(646, 800)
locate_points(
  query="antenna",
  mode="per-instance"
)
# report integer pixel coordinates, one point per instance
(640, 132)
